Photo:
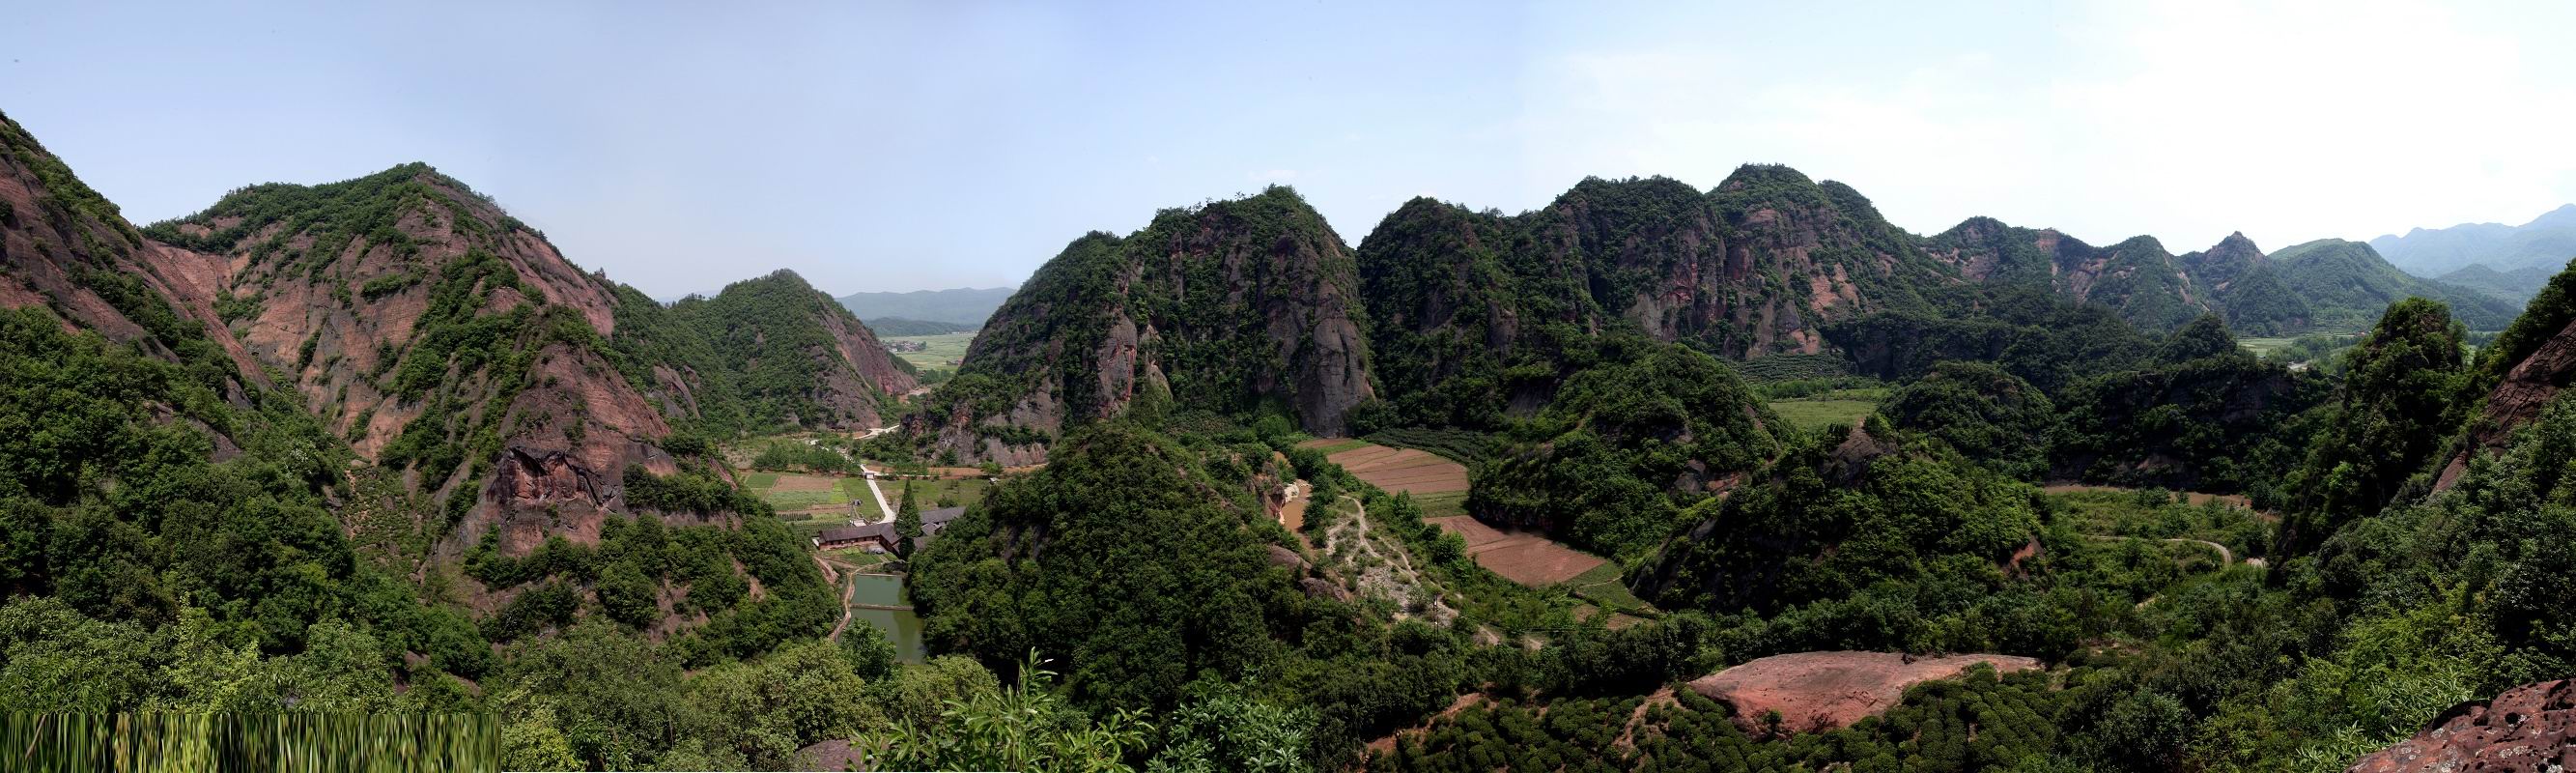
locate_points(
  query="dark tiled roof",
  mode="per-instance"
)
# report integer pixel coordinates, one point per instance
(942, 515)
(850, 533)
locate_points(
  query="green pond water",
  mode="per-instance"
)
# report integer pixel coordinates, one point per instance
(900, 626)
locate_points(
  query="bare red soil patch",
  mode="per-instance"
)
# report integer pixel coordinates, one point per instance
(1818, 691)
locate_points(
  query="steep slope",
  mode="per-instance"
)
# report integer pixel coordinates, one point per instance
(66, 248)
(1233, 307)
(968, 306)
(2519, 373)
(2347, 285)
(440, 338)
(1474, 311)
(2245, 287)
(2547, 241)
(796, 356)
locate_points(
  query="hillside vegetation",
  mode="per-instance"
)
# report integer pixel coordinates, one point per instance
(376, 446)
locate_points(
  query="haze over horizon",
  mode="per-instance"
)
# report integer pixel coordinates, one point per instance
(892, 148)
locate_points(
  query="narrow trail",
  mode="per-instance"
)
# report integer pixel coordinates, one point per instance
(849, 582)
(2225, 556)
(1394, 576)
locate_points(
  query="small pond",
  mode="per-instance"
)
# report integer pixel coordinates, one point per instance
(899, 625)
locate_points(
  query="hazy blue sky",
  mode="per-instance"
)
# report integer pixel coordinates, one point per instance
(901, 147)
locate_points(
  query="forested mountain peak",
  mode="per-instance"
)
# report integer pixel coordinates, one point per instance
(799, 357)
(2335, 274)
(1232, 306)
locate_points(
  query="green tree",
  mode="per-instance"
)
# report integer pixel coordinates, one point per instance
(1025, 727)
(2205, 336)
(907, 522)
(628, 596)
(2396, 410)
(1982, 411)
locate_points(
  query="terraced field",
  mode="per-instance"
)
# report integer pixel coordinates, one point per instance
(1399, 469)
(1440, 486)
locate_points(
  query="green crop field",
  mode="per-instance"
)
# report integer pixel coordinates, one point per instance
(942, 348)
(2264, 346)
(1814, 414)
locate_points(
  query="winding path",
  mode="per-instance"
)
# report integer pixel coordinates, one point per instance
(1400, 576)
(2225, 556)
(849, 591)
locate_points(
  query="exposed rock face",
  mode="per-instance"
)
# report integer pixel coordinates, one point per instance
(1820, 691)
(799, 357)
(1752, 267)
(2137, 278)
(2528, 728)
(2527, 387)
(1226, 307)
(2148, 286)
(415, 316)
(2219, 266)
(440, 336)
(64, 247)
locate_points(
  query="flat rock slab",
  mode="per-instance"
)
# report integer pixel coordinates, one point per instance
(1817, 691)
(2532, 727)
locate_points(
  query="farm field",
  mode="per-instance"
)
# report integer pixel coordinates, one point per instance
(1523, 557)
(1817, 414)
(1397, 469)
(941, 349)
(1439, 485)
(791, 492)
(2263, 347)
(934, 494)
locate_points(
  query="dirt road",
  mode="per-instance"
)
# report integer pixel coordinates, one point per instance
(2225, 556)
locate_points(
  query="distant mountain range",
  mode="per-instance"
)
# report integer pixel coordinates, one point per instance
(964, 306)
(2515, 260)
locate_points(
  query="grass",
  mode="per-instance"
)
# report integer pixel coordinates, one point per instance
(759, 480)
(2264, 347)
(2133, 514)
(856, 490)
(1442, 505)
(1602, 587)
(959, 493)
(343, 740)
(1457, 445)
(801, 500)
(1816, 414)
(942, 348)
(859, 558)
(805, 530)
(1329, 448)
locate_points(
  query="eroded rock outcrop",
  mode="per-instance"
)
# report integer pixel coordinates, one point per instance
(2527, 728)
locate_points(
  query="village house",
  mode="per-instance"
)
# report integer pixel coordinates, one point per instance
(880, 537)
(874, 538)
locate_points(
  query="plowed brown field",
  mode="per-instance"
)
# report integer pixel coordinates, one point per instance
(1523, 557)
